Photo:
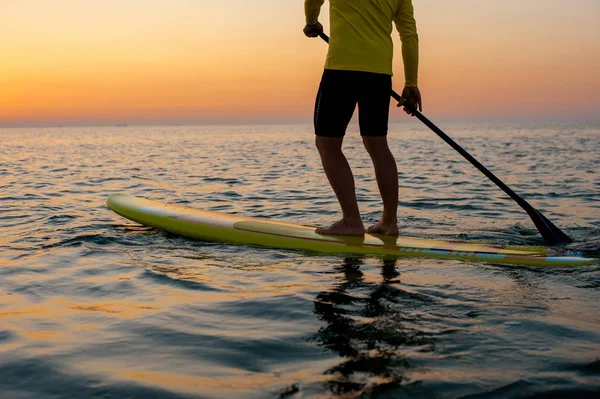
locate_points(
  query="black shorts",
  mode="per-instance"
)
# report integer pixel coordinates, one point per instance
(338, 95)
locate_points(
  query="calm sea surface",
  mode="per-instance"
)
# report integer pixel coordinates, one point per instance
(93, 305)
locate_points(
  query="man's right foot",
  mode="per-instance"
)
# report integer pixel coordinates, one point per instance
(388, 229)
(342, 228)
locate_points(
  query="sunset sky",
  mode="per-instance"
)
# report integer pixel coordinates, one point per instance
(236, 61)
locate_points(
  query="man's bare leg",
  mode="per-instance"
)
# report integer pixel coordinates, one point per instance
(386, 173)
(341, 179)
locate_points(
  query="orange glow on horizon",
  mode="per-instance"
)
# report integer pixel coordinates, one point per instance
(112, 61)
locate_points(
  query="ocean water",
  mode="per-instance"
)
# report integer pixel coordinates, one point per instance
(93, 305)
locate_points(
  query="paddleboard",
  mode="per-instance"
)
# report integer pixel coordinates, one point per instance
(220, 227)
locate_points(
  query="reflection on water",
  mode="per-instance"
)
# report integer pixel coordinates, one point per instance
(366, 324)
(92, 305)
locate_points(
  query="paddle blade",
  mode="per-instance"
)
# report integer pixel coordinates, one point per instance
(551, 234)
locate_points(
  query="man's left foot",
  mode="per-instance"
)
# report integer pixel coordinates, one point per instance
(342, 228)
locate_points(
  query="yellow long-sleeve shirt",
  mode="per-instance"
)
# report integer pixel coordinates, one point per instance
(361, 35)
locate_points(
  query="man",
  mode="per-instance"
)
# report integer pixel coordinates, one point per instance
(358, 70)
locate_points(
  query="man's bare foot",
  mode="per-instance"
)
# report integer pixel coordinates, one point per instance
(342, 228)
(388, 229)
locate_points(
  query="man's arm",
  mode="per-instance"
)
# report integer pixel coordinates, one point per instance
(407, 26)
(312, 9)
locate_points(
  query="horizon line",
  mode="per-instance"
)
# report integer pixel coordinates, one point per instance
(586, 119)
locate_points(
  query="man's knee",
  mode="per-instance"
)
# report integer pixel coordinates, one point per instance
(375, 144)
(328, 145)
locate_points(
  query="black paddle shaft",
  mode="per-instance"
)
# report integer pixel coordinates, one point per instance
(551, 234)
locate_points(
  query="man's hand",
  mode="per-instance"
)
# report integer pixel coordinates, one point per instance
(412, 96)
(313, 30)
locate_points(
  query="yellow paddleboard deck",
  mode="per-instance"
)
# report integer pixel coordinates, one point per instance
(219, 227)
